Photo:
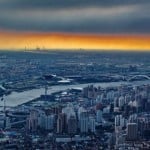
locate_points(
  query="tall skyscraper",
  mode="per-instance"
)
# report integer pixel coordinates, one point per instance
(61, 123)
(121, 101)
(120, 122)
(32, 121)
(84, 122)
(99, 116)
(92, 124)
(49, 122)
(132, 131)
(46, 121)
(72, 125)
(68, 111)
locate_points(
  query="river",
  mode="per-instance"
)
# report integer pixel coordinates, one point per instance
(17, 98)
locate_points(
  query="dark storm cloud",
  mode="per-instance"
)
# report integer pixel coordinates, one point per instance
(66, 3)
(97, 16)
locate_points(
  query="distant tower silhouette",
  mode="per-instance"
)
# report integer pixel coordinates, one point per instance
(46, 88)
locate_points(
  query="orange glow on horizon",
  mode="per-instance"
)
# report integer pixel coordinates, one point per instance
(31, 40)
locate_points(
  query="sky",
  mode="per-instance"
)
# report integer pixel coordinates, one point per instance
(75, 24)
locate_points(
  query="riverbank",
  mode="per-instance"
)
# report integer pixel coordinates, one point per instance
(18, 98)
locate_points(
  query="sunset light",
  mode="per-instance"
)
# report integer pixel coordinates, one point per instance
(29, 40)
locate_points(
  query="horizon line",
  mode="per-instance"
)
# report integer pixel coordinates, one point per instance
(72, 50)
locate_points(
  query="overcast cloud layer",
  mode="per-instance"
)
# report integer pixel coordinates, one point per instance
(83, 16)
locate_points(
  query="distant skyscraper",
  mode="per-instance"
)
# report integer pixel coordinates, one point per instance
(46, 121)
(72, 125)
(32, 121)
(99, 116)
(92, 124)
(91, 91)
(68, 111)
(84, 122)
(57, 110)
(132, 131)
(121, 101)
(49, 122)
(80, 110)
(115, 102)
(144, 126)
(85, 92)
(41, 120)
(119, 122)
(132, 118)
(61, 123)
(8, 124)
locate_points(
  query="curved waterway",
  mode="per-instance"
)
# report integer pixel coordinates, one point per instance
(17, 98)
